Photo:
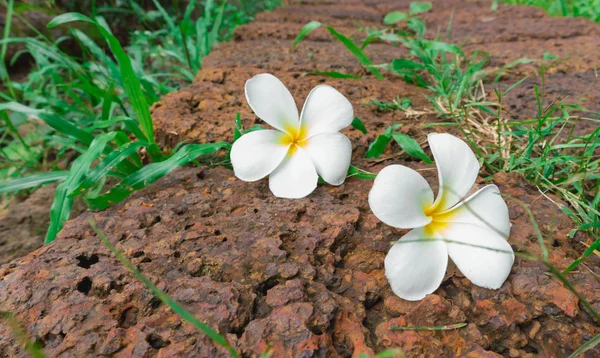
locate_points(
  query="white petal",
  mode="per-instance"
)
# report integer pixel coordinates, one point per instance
(325, 110)
(295, 178)
(457, 169)
(272, 102)
(485, 208)
(331, 154)
(416, 268)
(399, 197)
(256, 154)
(482, 255)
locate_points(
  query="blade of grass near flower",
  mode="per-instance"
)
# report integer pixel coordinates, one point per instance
(178, 309)
(32, 181)
(152, 172)
(411, 147)
(61, 207)
(447, 327)
(132, 84)
(359, 173)
(359, 125)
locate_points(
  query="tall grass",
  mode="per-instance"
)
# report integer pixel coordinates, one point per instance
(86, 119)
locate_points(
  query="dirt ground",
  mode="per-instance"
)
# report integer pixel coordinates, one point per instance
(305, 277)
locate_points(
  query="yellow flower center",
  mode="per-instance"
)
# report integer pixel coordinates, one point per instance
(439, 220)
(294, 137)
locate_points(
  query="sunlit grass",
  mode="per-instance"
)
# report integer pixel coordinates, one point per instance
(573, 8)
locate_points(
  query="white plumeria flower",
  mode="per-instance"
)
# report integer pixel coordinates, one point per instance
(472, 232)
(300, 147)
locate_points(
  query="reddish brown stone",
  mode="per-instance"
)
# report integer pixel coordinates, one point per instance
(304, 277)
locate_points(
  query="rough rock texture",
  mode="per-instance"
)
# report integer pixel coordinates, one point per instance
(304, 277)
(24, 222)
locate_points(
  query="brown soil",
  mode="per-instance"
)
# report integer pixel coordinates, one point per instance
(303, 276)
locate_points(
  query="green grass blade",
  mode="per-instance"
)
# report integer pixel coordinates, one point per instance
(109, 163)
(7, 24)
(359, 125)
(152, 172)
(132, 84)
(411, 147)
(359, 173)
(435, 328)
(357, 52)
(334, 74)
(305, 30)
(176, 307)
(586, 347)
(593, 247)
(32, 181)
(213, 35)
(52, 120)
(61, 207)
(394, 17)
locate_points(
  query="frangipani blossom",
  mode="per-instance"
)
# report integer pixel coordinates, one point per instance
(300, 148)
(473, 231)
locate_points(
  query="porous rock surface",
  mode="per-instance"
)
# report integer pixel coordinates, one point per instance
(304, 277)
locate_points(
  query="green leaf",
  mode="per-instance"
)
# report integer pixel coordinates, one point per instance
(411, 147)
(61, 207)
(152, 172)
(52, 120)
(132, 84)
(394, 17)
(306, 29)
(334, 74)
(359, 125)
(377, 148)
(359, 173)
(401, 64)
(417, 7)
(357, 52)
(32, 181)
(417, 25)
(111, 161)
(442, 47)
(172, 304)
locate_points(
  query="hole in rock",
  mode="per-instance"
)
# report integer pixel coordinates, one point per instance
(85, 285)
(128, 317)
(217, 232)
(87, 262)
(156, 341)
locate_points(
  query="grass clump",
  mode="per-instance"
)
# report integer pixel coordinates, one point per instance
(85, 120)
(589, 9)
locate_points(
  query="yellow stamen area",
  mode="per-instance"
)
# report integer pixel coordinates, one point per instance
(294, 137)
(439, 221)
